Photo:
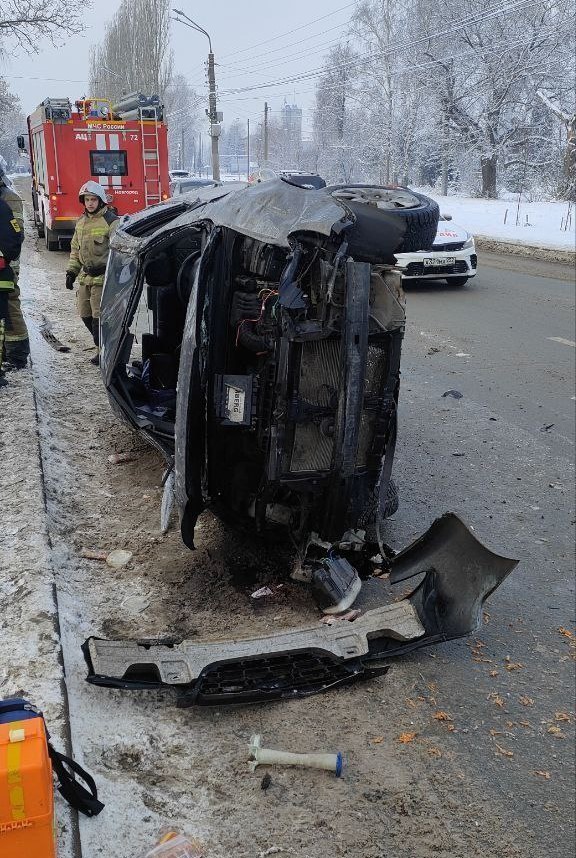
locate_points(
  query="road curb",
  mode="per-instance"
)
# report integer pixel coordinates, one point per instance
(530, 251)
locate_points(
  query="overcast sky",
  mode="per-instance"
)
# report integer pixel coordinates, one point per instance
(245, 44)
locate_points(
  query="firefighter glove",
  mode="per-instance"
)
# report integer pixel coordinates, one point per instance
(70, 278)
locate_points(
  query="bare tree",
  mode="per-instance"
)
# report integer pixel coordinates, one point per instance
(182, 115)
(29, 23)
(567, 117)
(135, 53)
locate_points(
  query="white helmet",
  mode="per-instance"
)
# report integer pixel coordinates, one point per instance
(95, 189)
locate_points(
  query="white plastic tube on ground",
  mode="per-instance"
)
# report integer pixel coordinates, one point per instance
(267, 756)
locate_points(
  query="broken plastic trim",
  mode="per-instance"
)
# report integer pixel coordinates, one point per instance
(459, 575)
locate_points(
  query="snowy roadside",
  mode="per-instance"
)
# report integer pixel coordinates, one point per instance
(543, 230)
(30, 650)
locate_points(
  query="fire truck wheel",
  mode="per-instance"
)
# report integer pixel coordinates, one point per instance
(51, 239)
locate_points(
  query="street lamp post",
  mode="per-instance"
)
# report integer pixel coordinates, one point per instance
(212, 112)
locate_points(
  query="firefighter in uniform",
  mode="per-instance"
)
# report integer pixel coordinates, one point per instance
(89, 255)
(16, 342)
(11, 237)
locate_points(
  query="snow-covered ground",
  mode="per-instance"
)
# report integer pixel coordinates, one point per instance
(541, 224)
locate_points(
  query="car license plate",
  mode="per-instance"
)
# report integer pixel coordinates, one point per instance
(436, 262)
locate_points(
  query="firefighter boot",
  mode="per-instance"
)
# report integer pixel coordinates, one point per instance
(96, 335)
(88, 322)
(16, 353)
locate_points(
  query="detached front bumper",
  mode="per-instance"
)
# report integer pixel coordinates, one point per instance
(459, 574)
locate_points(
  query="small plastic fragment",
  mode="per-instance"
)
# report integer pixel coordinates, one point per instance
(118, 558)
(117, 458)
(172, 844)
(455, 394)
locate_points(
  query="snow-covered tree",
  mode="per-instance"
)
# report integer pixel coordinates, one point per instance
(29, 24)
(12, 123)
(135, 54)
(183, 117)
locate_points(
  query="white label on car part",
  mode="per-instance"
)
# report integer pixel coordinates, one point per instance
(235, 398)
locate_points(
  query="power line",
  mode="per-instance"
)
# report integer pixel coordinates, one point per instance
(367, 58)
(289, 32)
(299, 42)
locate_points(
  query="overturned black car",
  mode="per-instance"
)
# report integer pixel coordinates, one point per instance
(254, 337)
(268, 368)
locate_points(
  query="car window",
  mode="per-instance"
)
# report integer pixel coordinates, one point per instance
(184, 187)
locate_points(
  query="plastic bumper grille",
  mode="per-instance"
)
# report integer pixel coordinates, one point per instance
(269, 677)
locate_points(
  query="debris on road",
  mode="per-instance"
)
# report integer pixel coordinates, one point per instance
(118, 458)
(172, 844)
(268, 756)
(330, 619)
(460, 573)
(119, 558)
(455, 394)
(51, 339)
(91, 554)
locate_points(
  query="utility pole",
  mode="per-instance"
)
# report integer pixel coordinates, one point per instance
(265, 132)
(247, 149)
(213, 116)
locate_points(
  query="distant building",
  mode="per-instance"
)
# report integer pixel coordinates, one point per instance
(292, 123)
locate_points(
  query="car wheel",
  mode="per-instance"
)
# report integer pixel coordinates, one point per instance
(457, 281)
(388, 220)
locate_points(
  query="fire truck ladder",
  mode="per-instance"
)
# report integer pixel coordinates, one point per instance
(151, 156)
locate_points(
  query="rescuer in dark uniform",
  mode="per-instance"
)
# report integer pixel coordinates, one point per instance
(16, 342)
(11, 237)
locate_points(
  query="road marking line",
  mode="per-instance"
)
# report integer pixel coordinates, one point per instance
(563, 341)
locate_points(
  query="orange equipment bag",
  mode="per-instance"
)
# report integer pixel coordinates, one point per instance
(27, 760)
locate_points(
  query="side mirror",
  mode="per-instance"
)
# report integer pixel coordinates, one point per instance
(20, 142)
(447, 217)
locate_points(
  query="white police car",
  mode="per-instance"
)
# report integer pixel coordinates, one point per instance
(452, 257)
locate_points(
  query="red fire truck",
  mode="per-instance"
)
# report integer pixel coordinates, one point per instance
(124, 147)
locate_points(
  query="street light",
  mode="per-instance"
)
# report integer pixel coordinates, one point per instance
(211, 112)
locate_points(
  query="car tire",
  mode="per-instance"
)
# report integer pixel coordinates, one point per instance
(457, 281)
(379, 233)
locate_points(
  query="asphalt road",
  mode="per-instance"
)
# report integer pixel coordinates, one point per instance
(502, 456)
(513, 325)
